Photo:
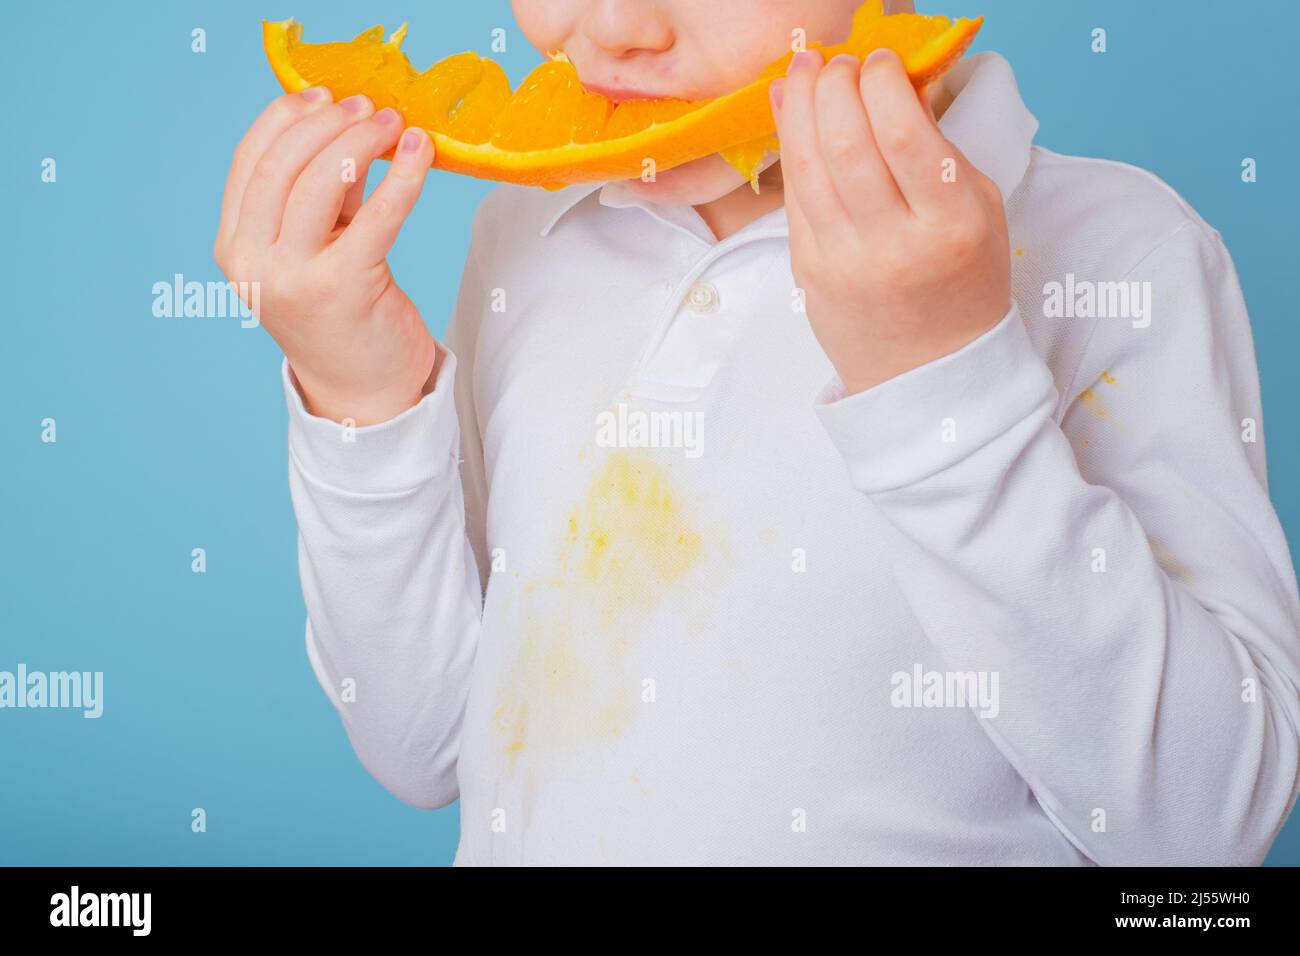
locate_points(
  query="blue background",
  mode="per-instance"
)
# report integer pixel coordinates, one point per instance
(171, 432)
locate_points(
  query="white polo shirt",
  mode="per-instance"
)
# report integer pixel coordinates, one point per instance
(683, 602)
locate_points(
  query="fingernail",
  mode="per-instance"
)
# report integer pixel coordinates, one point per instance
(316, 94)
(777, 89)
(805, 58)
(387, 116)
(412, 140)
(355, 104)
(848, 58)
(883, 53)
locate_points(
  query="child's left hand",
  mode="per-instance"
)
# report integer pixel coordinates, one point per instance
(900, 264)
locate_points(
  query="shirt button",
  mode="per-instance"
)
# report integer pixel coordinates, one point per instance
(703, 298)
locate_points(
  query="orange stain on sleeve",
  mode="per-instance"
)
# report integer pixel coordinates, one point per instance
(1170, 563)
(1093, 402)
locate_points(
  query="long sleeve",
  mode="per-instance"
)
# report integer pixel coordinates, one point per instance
(1111, 553)
(390, 580)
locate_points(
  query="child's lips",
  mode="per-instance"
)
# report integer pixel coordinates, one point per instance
(622, 94)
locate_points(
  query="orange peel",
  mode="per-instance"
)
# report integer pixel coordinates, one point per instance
(552, 132)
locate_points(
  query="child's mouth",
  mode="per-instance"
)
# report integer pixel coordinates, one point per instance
(623, 94)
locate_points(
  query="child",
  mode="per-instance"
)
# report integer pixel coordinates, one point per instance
(911, 511)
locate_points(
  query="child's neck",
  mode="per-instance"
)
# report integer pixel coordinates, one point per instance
(738, 208)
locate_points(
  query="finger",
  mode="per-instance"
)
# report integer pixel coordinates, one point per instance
(802, 163)
(316, 201)
(858, 173)
(283, 112)
(262, 209)
(928, 97)
(354, 197)
(379, 220)
(800, 230)
(906, 135)
(802, 235)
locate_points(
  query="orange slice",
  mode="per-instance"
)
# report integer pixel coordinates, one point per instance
(551, 132)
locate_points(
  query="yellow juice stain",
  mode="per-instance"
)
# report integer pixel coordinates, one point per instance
(631, 540)
(631, 537)
(1020, 252)
(1170, 563)
(1093, 402)
(512, 726)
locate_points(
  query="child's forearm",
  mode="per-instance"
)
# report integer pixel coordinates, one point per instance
(391, 585)
(1142, 616)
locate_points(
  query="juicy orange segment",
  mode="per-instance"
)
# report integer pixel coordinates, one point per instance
(551, 132)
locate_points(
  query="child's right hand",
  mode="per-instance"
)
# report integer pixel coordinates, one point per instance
(293, 220)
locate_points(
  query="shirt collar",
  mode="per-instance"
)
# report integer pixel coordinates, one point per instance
(565, 199)
(987, 120)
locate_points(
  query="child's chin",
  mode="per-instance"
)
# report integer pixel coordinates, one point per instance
(691, 184)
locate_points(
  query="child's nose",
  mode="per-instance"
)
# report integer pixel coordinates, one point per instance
(620, 27)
